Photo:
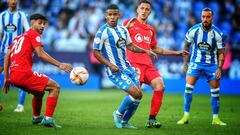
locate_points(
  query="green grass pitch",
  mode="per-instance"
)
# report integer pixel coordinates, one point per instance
(90, 113)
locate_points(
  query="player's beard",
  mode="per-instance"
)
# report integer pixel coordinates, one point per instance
(206, 25)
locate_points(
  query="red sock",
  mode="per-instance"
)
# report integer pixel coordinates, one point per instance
(36, 106)
(156, 102)
(50, 106)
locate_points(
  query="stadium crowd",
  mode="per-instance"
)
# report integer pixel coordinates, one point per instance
(73, 23)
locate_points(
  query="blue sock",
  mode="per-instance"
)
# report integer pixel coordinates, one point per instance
(127, 101)
(130, 111)
(215, 100)
(188, 97)
(21, 98)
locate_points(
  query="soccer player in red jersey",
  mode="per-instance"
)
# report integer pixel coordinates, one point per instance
(18, 71)
(143, 35)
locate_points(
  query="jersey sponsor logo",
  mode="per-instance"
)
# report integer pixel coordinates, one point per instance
(204, 46)
(140, 38)
(121, 42)
(10, 28)
(38, 39)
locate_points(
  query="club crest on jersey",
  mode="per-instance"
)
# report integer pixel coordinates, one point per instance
(204, 46)
(38, 39)
(121, 42)
(139, 38)
(10, 28)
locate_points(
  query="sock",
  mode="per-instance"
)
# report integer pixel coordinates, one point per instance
(130, 111)
(156, 102)
(188, 97)
(128, 100)
(215, 100)
(36, 106)
(50, 106)
(21, 98)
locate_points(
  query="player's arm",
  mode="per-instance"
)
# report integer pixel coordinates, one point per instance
(46, 57)
(135, 48)
(100, 58)
(186, 57)
(221, 57)
(6, 71)
(157, 49)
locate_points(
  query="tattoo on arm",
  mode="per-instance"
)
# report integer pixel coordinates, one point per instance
(186, 48)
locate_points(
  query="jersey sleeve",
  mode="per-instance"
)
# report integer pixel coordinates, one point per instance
(35, 40)
(1, 26)
(220, 40)
(98, 41)
(154, 40)
(189, 37)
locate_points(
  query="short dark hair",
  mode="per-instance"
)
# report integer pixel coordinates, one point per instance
(112, 6)
(145, 1)
(208, 9)
(37, 16)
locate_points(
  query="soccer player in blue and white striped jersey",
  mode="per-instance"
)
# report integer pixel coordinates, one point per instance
(207, 57)
(13, 22)
(110, 44)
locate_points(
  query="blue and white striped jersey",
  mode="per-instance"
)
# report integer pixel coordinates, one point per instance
(12, 24)
(112, 44)
(205, 43)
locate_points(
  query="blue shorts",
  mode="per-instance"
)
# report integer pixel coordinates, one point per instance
(125, 79)
(2, 59)
(195, 69)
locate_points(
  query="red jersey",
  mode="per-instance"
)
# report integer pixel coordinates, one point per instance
(142, 35)
(22, 49)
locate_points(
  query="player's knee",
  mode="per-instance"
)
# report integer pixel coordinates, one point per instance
(56, 89)
(137, 95)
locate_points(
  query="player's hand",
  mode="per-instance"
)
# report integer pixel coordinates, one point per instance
(185, 67)
(218, 73)
(115, 68)
(182, 52)
(65, 67)
(130, 23)
(153, 54)
(6, 85)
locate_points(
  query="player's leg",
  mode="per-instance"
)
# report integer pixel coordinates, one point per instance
(126, 83)
(51, 102)
(36, 108)
(21, 99)
(215, 93)
(193, 72)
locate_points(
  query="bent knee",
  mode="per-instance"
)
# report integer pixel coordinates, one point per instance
(137, 95)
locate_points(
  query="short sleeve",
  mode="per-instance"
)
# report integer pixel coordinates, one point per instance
(35, 39)
(98, 41)
(220, 40)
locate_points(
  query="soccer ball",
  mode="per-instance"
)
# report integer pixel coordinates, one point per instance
(79, 75)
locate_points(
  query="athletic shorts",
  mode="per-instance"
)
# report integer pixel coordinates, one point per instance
(32, 82)
(2, 59)
(125, 79)
(195, 70)
(146, 73)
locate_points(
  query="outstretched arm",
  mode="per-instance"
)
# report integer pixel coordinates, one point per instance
(6, 71)
(100, 58)
(46, 57)
(137, 49)
(162, 51)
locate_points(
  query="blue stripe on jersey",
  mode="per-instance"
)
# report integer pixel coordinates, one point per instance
(113, 47)
(4, 38)
(195, 46)
(19, 28)
(10, 34)
(203, 53)
(123, 49)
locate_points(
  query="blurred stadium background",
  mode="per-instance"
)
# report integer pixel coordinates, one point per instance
(73, 24)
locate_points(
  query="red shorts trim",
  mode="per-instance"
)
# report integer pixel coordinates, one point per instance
(32, 82)
(146, 72)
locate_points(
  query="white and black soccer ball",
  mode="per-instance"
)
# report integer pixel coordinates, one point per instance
(79, 75)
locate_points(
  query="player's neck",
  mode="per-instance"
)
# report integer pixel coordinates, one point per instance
(207, 28)
(12, 9)
(142, 21)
